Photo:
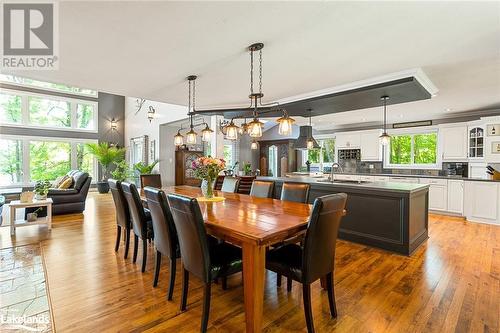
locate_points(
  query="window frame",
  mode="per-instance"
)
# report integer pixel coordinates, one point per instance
(412, 132)
(321, 165)
(94, 93)
(25, 139)
(25, 122)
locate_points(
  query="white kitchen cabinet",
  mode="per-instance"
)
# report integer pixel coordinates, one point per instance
(453, 142)
(347, 140)
(481, 201)
(438, 193)
(456, 196)
(371, 149)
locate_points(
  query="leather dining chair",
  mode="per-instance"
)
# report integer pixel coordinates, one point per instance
(153, 180)
(141, 221)
(316, 259)
(297, 192)
(122, 214)
(230, 184)
(262, 189)
(166, 242)
(202, 255)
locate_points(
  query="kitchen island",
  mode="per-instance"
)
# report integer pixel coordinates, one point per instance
(388, 215)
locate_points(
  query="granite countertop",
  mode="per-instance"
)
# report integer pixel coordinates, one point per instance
(381, 186)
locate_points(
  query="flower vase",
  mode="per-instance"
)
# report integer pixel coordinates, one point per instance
(207, 188)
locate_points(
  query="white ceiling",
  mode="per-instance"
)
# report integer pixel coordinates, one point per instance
(146, 49)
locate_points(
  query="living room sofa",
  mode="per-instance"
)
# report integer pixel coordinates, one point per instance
(71, 200)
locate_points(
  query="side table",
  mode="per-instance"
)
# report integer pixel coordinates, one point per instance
(13, 205)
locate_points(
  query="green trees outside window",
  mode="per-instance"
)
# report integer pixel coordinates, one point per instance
(84, 116)
(49, 160)
(11, 161)
(324, 154)
(47, 112)
(10, 108)
(413, 149)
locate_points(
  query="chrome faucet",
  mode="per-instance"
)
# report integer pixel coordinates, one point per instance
(335, 166)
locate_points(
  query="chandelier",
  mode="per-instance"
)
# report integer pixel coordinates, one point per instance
(191, 135)
(255, 126)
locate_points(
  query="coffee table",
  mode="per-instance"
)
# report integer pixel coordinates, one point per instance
(16, 204)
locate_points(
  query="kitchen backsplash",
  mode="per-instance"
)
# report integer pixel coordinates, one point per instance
(448, 168)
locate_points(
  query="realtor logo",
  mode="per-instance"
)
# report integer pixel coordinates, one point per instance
(29, 35)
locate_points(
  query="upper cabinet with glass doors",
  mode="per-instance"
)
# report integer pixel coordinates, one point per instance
(476, 142)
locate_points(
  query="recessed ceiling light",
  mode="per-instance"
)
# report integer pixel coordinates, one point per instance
(447, 109)
(401, 115)
(363, 119)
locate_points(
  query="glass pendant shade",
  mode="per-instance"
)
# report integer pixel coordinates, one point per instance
(254, 145)
(255, 128)
(385, 138)
(191, 137)
(178, 139)
(206, 134)
(232, 131)
(310, 144)
(285, 125)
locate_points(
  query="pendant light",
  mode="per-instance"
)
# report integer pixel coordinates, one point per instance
(232, 131)
(243, 127)
(178, 139)
(206, 134)
(191, 135)
(384, 137)
(310, 142)
(254, 145)
(285, 124)
(255, 126)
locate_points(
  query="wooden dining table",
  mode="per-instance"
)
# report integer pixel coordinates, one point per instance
(253, 224)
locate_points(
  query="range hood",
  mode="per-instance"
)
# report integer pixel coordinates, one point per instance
(305, 134)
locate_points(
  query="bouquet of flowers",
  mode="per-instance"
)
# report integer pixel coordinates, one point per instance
(207, 169)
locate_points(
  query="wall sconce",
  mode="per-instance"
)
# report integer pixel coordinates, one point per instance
(114, 124)
(151, 113)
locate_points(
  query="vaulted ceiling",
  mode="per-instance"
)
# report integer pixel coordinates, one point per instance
(146, 49)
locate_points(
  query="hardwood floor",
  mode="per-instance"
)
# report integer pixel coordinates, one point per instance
(450, 284)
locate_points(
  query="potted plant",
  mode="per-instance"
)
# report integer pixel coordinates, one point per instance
(106, 155)
(207, 169)
(32, 217)
(247, 168)
(145, 169)
(122, 171)
(41, 189)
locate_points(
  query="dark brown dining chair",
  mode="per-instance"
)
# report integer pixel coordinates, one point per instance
(262, 189)
(166, 242)
(316, 259)
(202, 255)
(141, 221)
(122, 214)
(153, 180)
(218, 182)
(245, 184)
(230, 184)
(297, 192)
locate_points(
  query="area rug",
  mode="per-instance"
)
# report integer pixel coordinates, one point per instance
(24, 301)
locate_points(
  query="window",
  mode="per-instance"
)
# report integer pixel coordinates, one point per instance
(49, 160)
(49, 112)
(85, 116)
(11, 161)
(413, 150)
(228, 155)
(321, 157)
(273, 162)
(26, 159)
(84, 160)
(22, 81)
(10, 108)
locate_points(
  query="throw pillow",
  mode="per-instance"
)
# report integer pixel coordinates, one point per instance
(79, 179)
(59, 181)
(66, 183)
